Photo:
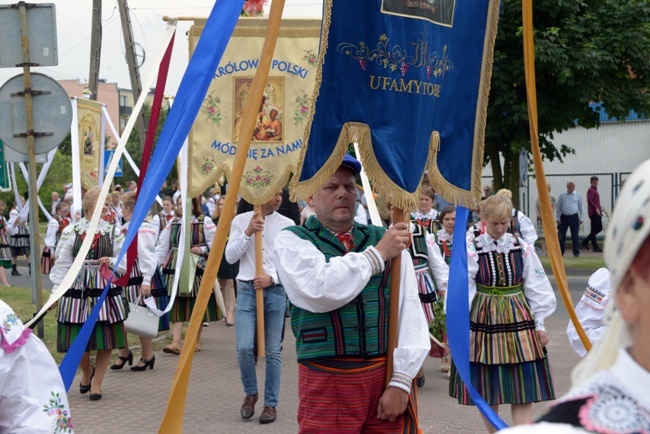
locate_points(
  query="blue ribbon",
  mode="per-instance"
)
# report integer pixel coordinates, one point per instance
(458, 315)
(190, 95)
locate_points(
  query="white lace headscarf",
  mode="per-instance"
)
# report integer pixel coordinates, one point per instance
(627, 231)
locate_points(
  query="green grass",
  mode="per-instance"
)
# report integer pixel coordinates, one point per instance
(20, 300)
(576, 263)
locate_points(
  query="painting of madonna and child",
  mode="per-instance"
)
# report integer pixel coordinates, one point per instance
(437, 11)
(268, 125)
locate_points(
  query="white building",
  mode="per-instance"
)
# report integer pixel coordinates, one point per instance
(610, 152)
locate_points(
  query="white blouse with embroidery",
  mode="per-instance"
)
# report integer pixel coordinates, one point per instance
(537, 288)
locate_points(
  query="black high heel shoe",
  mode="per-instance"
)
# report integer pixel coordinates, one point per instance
(129, 359)
(86, 388)
(147, 364)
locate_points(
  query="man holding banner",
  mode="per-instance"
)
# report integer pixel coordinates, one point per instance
(240, 247)
(336, 276)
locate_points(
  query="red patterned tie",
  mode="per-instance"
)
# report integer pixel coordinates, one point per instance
(347, 241)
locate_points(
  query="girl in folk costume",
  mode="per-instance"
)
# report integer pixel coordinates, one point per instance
(444, 236)
(510, 299)
(426, 215)
(76, 304)
(201, 234)
(5, 248)
(145, 280)
(227, 272)
(18, 238)
(55, 227)
(431, 272)
(164, 217)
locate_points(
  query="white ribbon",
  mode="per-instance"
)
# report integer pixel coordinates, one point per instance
(150, 302)
(39, 182)
(76, 266)
(135, 168)
(375, 218)
(76, 159)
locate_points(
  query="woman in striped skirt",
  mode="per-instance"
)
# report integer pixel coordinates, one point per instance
(201, 234)
(145, 280)
(18, 238)
(431, 272)
(59, 221)
(510, 298)
(444, 239)
(76, 304)
(5, 248)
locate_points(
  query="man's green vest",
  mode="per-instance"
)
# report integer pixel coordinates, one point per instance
(360, 328)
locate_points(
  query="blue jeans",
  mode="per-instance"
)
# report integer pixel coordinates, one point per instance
(246, 321)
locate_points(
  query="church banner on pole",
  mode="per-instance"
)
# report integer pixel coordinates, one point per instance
(283, 114)
(91, 136)
(409, 81)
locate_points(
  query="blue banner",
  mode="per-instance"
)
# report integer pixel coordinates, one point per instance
(458, 315)
(406, 79)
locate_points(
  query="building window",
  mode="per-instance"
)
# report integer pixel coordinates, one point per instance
(124, 101)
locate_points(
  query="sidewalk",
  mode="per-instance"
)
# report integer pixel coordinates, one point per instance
(134, 402)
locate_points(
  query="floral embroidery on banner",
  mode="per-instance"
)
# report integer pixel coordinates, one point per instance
(55, 408)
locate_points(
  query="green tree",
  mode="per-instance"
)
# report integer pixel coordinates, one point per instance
(585, 51)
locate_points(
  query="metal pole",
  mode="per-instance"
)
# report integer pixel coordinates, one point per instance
(37, 284)
(95, 50)
(129, 46)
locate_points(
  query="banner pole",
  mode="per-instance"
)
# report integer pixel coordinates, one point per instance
(548, 220)
(259, 294)
(173, 419)
(393, 305)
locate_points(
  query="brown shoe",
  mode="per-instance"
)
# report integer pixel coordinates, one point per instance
(173, 348)
(268, 415)
(248, 407)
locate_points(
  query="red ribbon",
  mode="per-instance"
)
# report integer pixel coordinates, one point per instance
(132, 253)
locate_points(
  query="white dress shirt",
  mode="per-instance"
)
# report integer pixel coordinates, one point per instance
(316, 285)
(147, 236)
(241, 247)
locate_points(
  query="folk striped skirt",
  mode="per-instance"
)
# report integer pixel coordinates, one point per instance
(508, 364)
(426, 290)
(184, 304)
(104, 336)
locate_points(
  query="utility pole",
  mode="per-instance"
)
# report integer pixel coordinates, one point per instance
(129, 45)
(95, 50)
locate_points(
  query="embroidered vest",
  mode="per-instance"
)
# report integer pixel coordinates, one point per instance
(360, 328)
(500, 269)
(418, 248)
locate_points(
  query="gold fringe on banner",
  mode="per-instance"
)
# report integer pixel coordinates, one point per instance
(471, 199)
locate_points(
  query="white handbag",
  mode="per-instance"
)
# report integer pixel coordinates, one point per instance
(141, 321)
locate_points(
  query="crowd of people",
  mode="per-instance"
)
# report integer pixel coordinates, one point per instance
(328, 269)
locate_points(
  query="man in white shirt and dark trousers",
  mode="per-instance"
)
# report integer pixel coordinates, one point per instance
(241, 247)
(569, 216)
(337, 276)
